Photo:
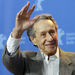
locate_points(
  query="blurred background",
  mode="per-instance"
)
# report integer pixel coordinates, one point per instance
(63, 11)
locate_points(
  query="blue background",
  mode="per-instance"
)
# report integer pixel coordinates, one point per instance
(63, 12)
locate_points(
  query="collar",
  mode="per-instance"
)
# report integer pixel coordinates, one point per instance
(53, 57)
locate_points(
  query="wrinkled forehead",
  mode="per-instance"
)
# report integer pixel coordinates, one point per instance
(43, 25)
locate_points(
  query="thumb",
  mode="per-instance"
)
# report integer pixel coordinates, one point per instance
(34, 20)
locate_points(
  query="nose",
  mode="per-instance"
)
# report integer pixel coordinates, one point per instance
(49, 37)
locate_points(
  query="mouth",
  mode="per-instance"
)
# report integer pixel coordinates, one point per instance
(50, 44)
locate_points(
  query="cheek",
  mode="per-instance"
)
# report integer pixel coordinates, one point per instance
(56, 39)
(41, 42)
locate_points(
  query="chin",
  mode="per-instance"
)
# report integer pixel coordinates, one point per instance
(51, 52)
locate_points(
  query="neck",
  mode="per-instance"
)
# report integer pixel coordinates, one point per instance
(51, 54)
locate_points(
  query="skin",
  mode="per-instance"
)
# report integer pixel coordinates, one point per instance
(46, 34)
(46, 37)
(23, 21)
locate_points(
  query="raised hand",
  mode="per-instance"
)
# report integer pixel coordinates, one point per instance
(23, 21)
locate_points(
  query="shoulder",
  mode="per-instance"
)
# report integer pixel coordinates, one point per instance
(64, 53)
(29, 53)
(70, 56)
(67, 55)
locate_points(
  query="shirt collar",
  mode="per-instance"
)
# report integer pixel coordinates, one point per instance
(57, 53)
(53, 57)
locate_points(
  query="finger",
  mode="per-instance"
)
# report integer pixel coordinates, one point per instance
(31, 23)
(30, 11)
(24, 9)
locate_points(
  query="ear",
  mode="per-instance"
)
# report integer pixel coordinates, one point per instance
(33, 40)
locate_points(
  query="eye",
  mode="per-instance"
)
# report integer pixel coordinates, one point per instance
(51, 32)
(43, 34)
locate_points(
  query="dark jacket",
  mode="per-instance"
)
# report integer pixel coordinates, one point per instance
(31, 63)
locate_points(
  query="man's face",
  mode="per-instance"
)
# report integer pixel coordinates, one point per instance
(46, 36)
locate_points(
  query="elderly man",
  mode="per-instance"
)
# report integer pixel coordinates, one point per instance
(42, 31)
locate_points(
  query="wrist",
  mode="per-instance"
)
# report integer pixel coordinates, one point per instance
(16, 33)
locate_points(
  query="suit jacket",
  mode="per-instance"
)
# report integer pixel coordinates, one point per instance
(31, 63)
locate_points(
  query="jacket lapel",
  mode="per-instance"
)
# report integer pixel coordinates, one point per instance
(65, 66)
(36, 65)
(38, 57)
